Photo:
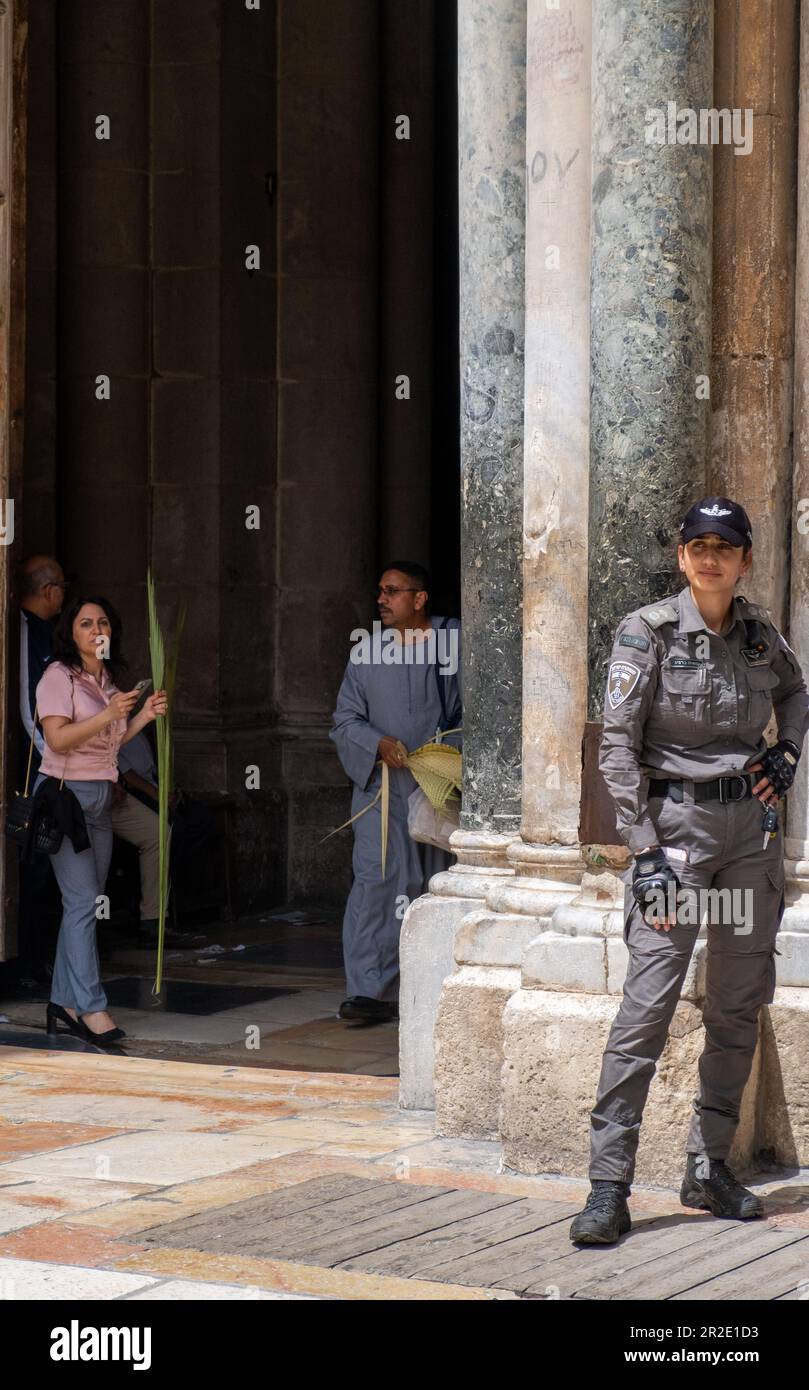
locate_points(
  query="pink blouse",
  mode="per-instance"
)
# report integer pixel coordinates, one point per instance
(78, 695)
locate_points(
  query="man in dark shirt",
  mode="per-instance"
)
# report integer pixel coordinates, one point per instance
(42, 591)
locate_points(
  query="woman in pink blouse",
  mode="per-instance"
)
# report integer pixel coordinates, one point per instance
(84, 720)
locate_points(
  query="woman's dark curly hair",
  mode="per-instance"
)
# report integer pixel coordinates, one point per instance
(65, 649)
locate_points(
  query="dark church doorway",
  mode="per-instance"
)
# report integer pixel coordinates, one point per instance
(242, 296)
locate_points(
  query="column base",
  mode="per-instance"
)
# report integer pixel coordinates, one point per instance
(553, 1043)
(426, 954)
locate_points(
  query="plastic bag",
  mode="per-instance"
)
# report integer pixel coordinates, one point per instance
(431, 827)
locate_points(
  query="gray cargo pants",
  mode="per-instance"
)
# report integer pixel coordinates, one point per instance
(723, 845)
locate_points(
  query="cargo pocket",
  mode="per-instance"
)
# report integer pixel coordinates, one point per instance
(776, 878)
(769, 993)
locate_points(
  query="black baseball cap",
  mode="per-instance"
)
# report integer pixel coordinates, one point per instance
(717, 516)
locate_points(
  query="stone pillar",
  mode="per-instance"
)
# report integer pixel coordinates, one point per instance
(753, 289)
(39, 474)
(407, 41)
(491, 88)
(489, 949)
(104, 304)
(651, 306)
(327, 371)
(13, 128)
(651, 219)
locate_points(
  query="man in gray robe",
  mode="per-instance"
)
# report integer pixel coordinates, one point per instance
(390, 692)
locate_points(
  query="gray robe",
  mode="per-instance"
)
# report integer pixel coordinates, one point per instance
(402, 701)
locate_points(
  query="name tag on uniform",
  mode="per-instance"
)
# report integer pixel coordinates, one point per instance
(686, 663)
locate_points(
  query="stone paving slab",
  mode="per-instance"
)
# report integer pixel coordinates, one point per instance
(35, 1280)
(107, 1156)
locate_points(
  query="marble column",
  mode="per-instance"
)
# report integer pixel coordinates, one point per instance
(556, 458)
(491, 88)
(650, 323)
(490, 946)
(651, 305)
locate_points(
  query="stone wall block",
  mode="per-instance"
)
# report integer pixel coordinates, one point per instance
(469, 1051)
(784, 1114)
(553, 961)
(186, 322)
(488, 938)
(426, 960)
(553, 1044)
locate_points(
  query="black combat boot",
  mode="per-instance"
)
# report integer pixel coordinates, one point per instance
(605, 1216)
(710, 1185)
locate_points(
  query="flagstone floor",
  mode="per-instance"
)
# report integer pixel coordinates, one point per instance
(267, 993)
(140, 1178)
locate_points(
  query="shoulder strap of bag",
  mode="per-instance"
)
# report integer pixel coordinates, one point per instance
(440, 681)
(73, 712)
(33, 729)
(31, 751)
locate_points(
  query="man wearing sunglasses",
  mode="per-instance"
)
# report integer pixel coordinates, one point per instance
(391, 695)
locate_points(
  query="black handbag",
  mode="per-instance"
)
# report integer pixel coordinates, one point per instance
(46, 836)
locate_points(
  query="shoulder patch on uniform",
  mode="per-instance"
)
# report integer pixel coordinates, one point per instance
(621, 681)
(629, 640)
(659, 613)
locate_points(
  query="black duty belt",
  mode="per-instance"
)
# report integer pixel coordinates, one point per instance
(736, 787)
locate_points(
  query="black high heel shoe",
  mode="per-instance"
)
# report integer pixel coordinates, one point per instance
(55, 1013)
(112, 1035)
(79, 1028)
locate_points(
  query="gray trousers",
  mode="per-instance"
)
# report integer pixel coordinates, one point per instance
(372, 921)
(723, 845)
(76, 982)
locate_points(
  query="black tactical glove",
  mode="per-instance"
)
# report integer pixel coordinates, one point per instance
(778, 765)
(651, 880)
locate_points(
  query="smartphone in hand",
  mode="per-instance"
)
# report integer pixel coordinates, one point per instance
(143, 688)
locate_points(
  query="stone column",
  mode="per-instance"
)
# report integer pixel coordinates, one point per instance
(327, 373)
(13, 129)
(651, 306)
(491, 88)
(489, 948)
(650, 319)
(103, 324)
(407, 40)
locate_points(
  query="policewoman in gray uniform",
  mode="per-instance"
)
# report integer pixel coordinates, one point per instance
(692, 684)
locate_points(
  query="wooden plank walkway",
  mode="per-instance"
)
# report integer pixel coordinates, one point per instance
(492, 1240)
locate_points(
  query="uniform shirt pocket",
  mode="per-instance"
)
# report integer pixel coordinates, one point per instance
(684, 694)
(758, 684)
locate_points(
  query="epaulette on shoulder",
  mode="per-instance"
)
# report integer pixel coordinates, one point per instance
(659, 613)
(752, 610)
